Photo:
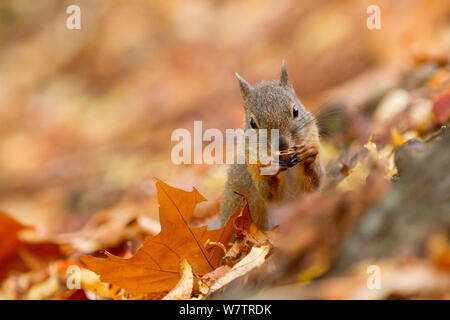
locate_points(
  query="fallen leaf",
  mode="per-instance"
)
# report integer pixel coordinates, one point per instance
(155, 267)
(47, 288)
(358, 175)
(8, 235)
(18, 254)
(211, 277)
(393, 103)
(216, 274)
(106, 229)
(441, 107)
(183, 289)
(254, 259)
(251, 232)
(234, 251)
(397, 139)
(95, 289)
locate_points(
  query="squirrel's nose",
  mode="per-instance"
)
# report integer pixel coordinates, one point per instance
(283, 143)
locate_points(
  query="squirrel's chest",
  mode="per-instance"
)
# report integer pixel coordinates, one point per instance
(287, 186)
(290, 187)
(290, 192)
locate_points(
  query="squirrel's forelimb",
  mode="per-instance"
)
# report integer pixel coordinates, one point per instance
(309, 169)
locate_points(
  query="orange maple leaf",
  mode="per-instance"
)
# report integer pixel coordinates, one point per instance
(155, 267)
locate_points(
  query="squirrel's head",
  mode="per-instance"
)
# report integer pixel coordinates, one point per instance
(274, 105)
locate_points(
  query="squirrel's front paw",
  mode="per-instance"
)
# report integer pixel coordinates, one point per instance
(304, 154)
(275, 167)
(295, 155)
(284, 161)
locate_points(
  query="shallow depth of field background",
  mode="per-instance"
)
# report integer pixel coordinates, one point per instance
(86, 115)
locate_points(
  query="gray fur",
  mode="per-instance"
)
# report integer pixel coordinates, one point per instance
(270, 104)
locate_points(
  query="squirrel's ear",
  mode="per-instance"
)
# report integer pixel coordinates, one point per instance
(284, 78)
(243, 85)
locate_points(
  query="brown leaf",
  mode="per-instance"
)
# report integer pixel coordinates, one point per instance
(208, 279)
(155, 267)
(254, 259)
(183, 289)
(244, 224)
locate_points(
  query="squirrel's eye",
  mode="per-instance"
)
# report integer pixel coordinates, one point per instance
(295, 112)
(253, 123)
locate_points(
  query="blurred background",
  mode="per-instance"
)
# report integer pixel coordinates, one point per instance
(86, 115)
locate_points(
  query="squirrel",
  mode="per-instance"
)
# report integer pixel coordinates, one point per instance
(270, 105)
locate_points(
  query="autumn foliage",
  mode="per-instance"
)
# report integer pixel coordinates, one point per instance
(155, 266)
(86, 118)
